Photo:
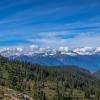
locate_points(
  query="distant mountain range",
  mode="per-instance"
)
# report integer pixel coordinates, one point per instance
(87, 57)
(70, 69)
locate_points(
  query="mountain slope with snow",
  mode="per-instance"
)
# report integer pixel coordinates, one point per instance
(87, 57)
(32, 50)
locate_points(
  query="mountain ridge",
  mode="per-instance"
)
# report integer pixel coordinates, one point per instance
(32, 50)
(86, 57)
(90, 62)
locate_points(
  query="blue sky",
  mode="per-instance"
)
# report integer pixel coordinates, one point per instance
(53, 23)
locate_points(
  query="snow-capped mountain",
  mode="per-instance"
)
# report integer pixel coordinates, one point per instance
(86, 57)
(33, 50)
(28, 50)
(84, 51)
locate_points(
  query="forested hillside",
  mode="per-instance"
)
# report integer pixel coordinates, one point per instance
(48, 83)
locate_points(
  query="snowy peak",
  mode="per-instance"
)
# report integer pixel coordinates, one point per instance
(97, 49)
(33, 50)
(84, 51)
(66, 50)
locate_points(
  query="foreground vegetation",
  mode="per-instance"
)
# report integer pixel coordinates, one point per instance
(43, 83)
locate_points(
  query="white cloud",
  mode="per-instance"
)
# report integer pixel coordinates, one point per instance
(81, 40)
